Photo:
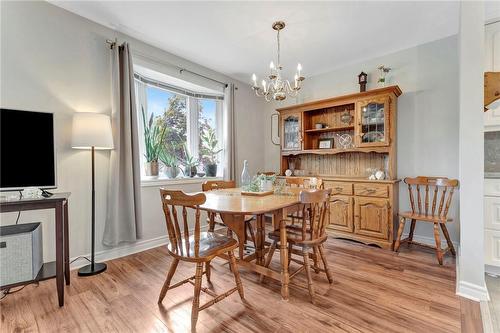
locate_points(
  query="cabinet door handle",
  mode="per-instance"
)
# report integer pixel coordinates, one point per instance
(338, 188)
(370, 190)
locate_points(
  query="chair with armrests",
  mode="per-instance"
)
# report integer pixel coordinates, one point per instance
(214, 218)
(198, 248)
(310, 235)
(435, 212)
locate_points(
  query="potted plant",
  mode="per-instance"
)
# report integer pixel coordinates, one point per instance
(153, 141)
(171, 165)
(210, 151)
(190, 164)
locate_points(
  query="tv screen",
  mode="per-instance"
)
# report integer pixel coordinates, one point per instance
(27, 155)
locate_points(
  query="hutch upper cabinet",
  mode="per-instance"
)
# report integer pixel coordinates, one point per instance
(373, 122)
(291, 127)
(344, 140)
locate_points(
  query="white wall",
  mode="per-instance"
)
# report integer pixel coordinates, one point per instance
(471, 150)
(427, 112)
(55, 61)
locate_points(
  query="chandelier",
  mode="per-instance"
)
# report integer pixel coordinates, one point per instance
(277, 88)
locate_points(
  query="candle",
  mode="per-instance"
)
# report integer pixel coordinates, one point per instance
(264, 85)
(299, 69)
(271, 66)
(296, 78)
(254, 79)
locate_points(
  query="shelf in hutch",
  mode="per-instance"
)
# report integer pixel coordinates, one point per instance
(360, 209)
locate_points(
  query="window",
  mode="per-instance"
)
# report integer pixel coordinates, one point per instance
(190, 124)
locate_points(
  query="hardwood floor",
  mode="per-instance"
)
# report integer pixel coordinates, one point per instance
(374, 291)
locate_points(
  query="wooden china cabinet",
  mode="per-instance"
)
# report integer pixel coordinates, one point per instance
(359, 133)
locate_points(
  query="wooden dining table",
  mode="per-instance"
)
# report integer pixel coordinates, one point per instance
(233, 207)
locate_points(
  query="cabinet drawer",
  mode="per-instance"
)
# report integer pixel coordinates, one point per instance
(339, 187)
(371, 190)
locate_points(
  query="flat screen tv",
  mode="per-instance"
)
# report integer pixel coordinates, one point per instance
(27, 150)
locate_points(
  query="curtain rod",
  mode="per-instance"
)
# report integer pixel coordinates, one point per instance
(112, 43)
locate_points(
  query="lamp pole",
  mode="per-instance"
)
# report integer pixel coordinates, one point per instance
(93, 268)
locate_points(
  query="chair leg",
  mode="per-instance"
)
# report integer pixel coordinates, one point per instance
(251, 232)
(412, 230)
(439, 252)
(211, 222)
(316, 259)
(208, 270)
(236, 272)
(325, 264)
(196, 299)
(269, 258)
(400, 232)
(448, 239)
(166, 285)
(307, 266)
(289, 253)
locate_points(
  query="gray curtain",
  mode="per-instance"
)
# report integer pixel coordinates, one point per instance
(229, 150)
(123, 220)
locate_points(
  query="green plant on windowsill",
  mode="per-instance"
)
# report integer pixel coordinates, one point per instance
(209, 151)
(153, 142)
(190, 163)
(170, 163)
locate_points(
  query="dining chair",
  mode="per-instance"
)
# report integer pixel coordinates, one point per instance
(199, 248)
(435, 212)
(214, 218)
(311, 234)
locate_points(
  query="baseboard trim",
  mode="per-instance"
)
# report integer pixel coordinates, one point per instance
(469, 290)
(472, 291)
(123, 250)
(427, 240)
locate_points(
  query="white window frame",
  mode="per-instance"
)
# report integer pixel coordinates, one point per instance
(192, 134)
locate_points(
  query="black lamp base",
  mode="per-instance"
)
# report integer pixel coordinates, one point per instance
(88, 271)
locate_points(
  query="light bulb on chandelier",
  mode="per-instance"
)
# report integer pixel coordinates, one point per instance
(278, 88)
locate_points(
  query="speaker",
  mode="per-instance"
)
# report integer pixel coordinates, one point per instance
(21, 252)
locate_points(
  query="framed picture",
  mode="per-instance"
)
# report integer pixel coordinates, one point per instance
(325, 143)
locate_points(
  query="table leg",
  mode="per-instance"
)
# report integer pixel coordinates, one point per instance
(260, 240)
(284, 261)
(66, 245)
(60, 253)
(236, 223)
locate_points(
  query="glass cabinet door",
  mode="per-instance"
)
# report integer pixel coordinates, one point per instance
(291, 129)
(373, 122)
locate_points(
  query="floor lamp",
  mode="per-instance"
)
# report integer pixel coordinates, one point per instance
(92, 131)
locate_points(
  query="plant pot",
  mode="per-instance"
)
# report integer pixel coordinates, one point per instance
(190, 171)
(171, 172)
(151, 168)
(211, 170)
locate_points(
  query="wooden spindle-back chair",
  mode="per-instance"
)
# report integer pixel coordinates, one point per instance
(214, 219)
(311, 234)
(430, 200)
(198, 247)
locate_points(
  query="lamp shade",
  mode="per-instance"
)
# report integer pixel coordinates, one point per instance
(91, 130)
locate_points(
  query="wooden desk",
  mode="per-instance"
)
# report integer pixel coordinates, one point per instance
(59, 202)
(232, 207)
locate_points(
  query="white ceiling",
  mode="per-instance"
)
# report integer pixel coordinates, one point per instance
(235, 38)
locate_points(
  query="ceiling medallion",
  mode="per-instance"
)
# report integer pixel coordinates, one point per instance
(277, 88)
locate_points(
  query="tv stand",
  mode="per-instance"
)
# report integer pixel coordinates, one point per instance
(60, 268)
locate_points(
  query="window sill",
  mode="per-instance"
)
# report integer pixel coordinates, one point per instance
(159, 181)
